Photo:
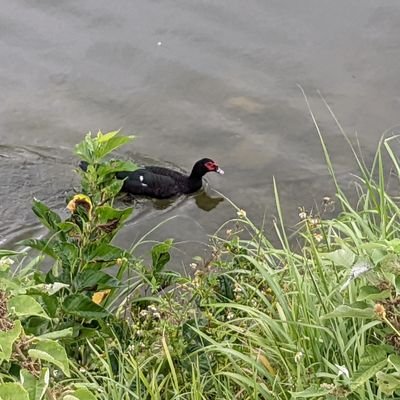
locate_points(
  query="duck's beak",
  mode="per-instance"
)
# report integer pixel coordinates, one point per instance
(219, 171)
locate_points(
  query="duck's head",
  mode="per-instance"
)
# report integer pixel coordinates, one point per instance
(205, 165)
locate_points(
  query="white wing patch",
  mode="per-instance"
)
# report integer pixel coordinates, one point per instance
(141, 180)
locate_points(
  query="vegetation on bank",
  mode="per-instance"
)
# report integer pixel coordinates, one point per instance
(314, 317)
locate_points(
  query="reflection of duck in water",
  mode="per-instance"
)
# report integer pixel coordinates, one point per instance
(163, 183)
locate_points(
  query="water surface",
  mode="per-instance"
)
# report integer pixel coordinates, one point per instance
(192, 79)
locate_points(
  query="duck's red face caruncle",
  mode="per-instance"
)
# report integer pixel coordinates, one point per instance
(213, 166)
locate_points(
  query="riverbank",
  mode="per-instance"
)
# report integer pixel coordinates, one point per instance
(314, 316)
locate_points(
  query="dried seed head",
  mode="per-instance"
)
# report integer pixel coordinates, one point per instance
(380, 311)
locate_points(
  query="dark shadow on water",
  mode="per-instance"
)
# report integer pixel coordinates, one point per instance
(202, 199)
(206, 202)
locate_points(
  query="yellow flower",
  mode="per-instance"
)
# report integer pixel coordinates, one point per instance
(98, 297)
(80, 200)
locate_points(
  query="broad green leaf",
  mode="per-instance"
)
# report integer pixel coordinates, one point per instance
(66, 252)
(52, 288)
(387, 383)
(67, 226)
(80, 394)
(85, 149)
(111, 219)
(372, 361)
(26, 306)
(311, 392)
(82, 306)
(7, 339)
(114, 166)
(372, 293)
(395, 244)
(53, 352)
(105, 253)
(13, 391)
(56, 334)
(11, 284)
(105, 137)
(160, 255)
(113, 188)
(40, 244)
(36, 387)
(344, 311)
(106, 146)
(96, 280)
(344, 257)
(49, 218)
(394, 360)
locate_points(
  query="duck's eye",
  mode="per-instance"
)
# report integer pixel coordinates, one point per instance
(211, 166)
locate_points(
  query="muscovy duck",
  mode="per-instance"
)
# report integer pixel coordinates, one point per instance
(161, 182)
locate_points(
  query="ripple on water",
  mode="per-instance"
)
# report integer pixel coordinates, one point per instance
(48, 174)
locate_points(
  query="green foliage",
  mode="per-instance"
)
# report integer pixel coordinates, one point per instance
(13, 391)
(313, 316)
(51, 351)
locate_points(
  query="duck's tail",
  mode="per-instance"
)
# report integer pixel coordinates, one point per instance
(83, 165)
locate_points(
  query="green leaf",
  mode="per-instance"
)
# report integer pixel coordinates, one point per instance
(82, 306)
(110, 219)
(13, 391)
(80, 394)
(53, 352)
(311, 392)
(160, 255)
(56, 334)
(49, 218)
(52, 288)
(7, 339)
(40, 244)
(107, 213)
(111, 167)
(344, 257)
(85, 149)
(93, 149)
(107, 143)
(9, 253)
(388, 383)
(372, 293)
(395, 244)
(344, 311)
(36, 387)
(372, 361)
(97, 280)
(394, 360)
(11, 284)
(26, 306)
(67, 226)
(111, 190)
(105, 252)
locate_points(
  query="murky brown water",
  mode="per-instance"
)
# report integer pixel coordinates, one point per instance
(191, 79)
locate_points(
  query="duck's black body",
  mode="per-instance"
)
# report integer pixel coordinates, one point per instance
(162, 183)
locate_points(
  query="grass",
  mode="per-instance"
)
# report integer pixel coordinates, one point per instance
(313, 316)
(298, 320)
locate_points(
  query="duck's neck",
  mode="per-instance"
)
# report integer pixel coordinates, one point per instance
(197, 173)
(195, 180)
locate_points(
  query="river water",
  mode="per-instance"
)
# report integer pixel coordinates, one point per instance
(192, 79)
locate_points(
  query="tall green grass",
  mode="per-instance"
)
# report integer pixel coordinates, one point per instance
(300, 319)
